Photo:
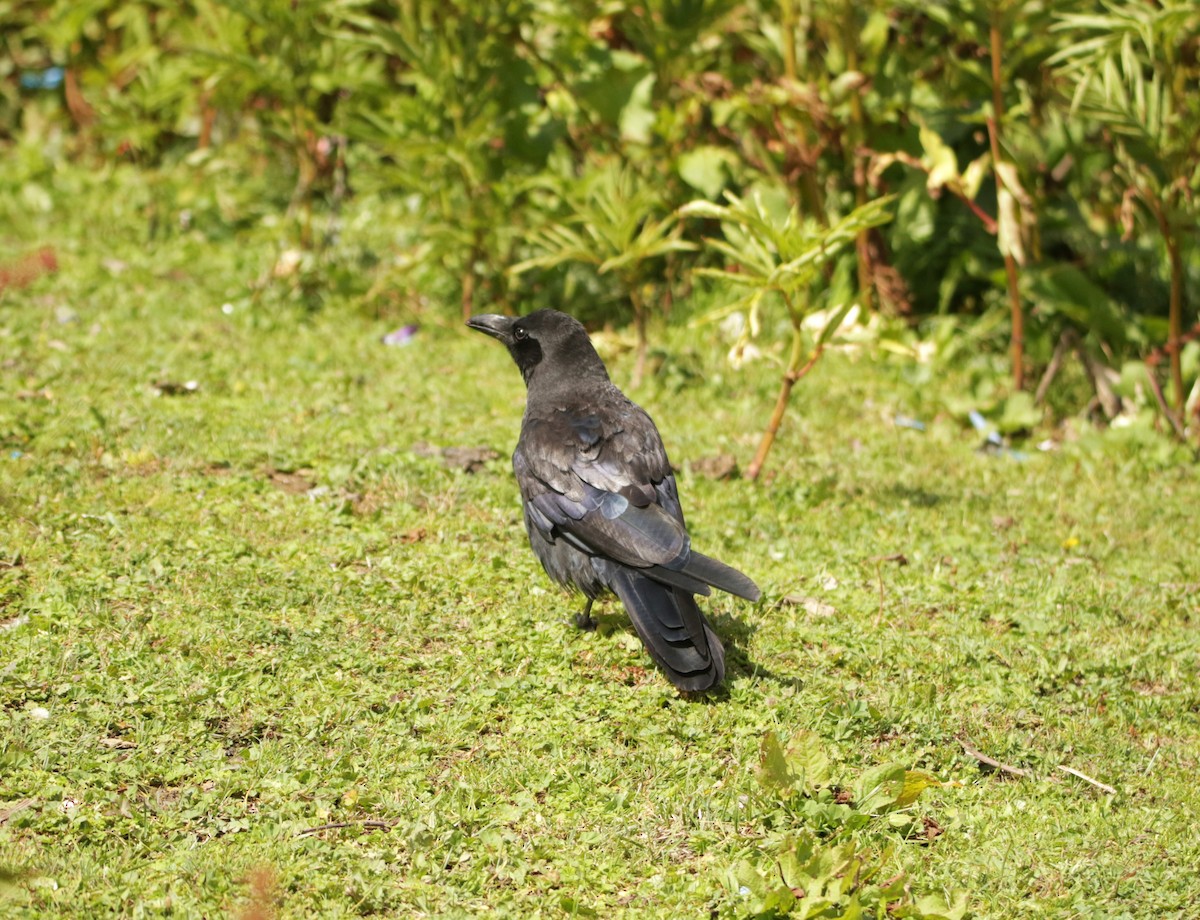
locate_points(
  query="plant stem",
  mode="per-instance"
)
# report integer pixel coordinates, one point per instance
(858, 133)
(1156, 389)
(1175, 322)
(803, 26)
(793, 373)
(1010, 263)
(787, 25)
(1175, 309)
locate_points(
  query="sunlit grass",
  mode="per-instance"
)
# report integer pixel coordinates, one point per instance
(237, 614)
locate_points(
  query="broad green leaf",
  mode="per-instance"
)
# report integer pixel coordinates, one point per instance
(1019, 413)
(1066, 291)
(574, 908)
(1189, 360)
(773, 769)
(637, 117)
(1133, 380)
(705, 169)
(834, 323)
(760, 895)
(879, 788)
(916, 211)
(936, 907)
(874, 36)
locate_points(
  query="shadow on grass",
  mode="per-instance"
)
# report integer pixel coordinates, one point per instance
(735, 635)
(912, 495)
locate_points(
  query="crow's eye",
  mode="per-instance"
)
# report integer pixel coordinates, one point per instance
(519, 333)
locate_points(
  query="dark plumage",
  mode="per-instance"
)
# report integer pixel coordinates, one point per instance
(601, 507)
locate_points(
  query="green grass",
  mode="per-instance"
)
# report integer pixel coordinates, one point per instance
(236, 615)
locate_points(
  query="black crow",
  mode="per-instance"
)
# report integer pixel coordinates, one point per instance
(601, 506)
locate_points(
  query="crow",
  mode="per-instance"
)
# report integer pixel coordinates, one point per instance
(601, 505)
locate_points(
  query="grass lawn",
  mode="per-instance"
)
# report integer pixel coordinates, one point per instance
(259, 657)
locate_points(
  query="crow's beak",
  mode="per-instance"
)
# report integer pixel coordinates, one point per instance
(495, 325)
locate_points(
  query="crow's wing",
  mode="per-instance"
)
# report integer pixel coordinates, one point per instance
(571, 478)
(601, 480)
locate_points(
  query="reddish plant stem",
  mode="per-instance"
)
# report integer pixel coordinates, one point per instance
(858, 132)
(793, 373)
(1010, 263)
(989, 222)
(1175, 338)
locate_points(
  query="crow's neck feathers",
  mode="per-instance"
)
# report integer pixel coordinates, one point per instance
(565, 363)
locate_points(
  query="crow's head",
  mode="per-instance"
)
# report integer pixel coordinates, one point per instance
(545, 343)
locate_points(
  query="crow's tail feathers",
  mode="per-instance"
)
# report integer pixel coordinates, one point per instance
(719, 575)
(672, 628)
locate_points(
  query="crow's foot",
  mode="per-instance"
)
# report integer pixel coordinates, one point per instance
(584, 620)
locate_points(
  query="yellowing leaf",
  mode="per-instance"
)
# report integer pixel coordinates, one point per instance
(915, 782)
(1009, 223)
(974, 174)
(943, 165)
(806, 759)
(1016, 212)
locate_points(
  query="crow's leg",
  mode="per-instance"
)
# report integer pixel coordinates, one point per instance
(584, 620)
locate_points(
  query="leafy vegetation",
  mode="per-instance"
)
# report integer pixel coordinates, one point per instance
(1041, 157)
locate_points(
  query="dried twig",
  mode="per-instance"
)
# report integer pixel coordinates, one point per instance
(1104, 787)
(992, 762)
(1098, 373)
(12, 808)
(1166, 410)
(1065, 343)
(338, 825)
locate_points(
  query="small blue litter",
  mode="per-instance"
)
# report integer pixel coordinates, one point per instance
(50, 78)
(903, 421)
(992, 442)
(992, 437)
